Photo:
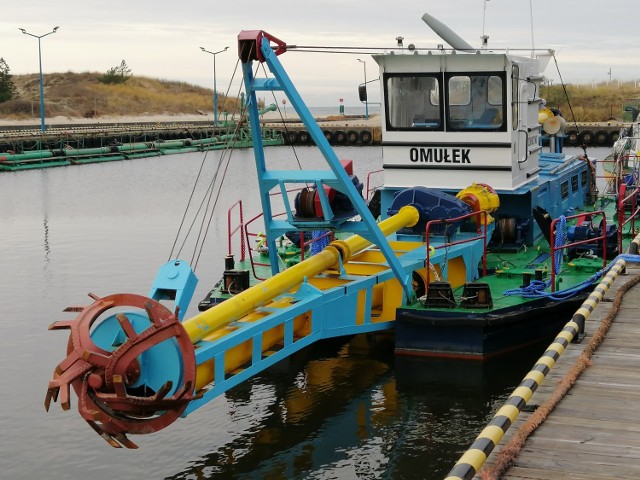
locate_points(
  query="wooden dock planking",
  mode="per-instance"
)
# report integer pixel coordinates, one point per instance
(594, 432)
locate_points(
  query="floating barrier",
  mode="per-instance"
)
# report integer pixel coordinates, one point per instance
(56, 157)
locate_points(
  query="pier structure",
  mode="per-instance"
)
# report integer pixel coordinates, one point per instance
(575, 414)
(338, 129)
(26, 148)
(593, 134)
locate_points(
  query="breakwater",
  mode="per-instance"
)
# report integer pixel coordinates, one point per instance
(599, 134)
(28, 147)
(339, 130)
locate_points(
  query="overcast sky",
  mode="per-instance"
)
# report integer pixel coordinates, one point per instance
(161, 38)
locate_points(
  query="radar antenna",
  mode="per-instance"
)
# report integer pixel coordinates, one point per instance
(448, 35)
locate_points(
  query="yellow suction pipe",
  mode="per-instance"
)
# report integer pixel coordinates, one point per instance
(243, 303)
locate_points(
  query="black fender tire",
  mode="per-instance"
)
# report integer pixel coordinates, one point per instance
(601, 137)
(303, 137)
(572, 138)
(587, 137)
(352, 137)
(340, 138)
(291, 137)
(365, 137)
(614, 136)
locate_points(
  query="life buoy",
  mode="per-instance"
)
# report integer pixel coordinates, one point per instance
(365, 137)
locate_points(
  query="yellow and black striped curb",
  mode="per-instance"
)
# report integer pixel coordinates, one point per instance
(634, 247)
(597, 294)
(473, 459)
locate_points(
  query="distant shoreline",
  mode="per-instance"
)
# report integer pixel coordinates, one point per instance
(62, 120)
(272, 117)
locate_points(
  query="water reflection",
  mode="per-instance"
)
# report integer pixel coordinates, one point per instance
(352, 410)
(488, 376)
(334, 411)
(324, 401)
(44, 195)
(47, 249)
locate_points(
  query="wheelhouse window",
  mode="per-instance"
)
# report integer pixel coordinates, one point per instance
(414, 102)
(475, 102)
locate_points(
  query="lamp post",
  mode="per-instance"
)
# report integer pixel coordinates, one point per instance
(366, 103)
(42, 126)
(215, 93)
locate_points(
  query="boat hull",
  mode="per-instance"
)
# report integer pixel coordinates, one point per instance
(480, 336)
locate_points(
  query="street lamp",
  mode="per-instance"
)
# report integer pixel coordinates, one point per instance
(215, 93)
(42, 126)
(366, 104)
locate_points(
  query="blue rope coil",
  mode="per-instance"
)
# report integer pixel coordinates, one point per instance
(533, 290)
(561, 239)
(318, 245)
(536, 288)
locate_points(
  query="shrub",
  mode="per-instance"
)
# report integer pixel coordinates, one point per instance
(116, 75)
(7, 88)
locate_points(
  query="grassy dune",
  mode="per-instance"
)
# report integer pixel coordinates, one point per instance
(81, 95)
(592, 103)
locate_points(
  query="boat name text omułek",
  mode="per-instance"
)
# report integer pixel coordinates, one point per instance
(440, 155)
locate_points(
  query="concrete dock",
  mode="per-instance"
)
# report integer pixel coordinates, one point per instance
(593, 433)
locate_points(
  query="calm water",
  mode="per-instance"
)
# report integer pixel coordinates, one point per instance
(343, 411)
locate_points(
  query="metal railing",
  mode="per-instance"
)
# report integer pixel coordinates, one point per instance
(253, 235)
(232, 231)
(635, 210)
(482, 234)
(371, 189)
(555, 249)
(247, 236)
(615, 176)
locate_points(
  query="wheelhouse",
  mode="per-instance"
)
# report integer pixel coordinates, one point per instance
(452, 118)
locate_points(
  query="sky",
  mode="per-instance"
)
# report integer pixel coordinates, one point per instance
(595, 41)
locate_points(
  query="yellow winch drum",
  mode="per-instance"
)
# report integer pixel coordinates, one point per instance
(480, 197)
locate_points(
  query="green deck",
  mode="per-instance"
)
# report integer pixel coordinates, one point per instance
(505, 271)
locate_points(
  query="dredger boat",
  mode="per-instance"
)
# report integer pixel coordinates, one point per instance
(477, 243)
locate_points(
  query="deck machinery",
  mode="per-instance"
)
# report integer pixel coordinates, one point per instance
(137, 365)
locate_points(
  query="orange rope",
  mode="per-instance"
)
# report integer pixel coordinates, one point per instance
(510, 451)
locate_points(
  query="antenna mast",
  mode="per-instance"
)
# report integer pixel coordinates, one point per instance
(531, 15)
(484, 38)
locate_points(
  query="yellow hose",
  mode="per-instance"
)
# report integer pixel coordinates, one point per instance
(245, 302)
